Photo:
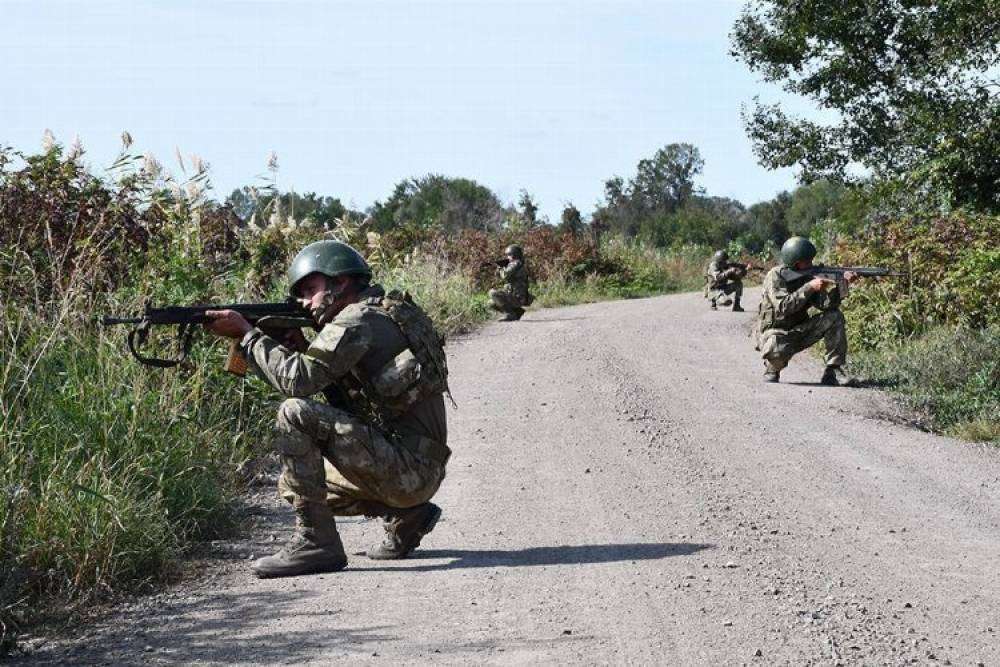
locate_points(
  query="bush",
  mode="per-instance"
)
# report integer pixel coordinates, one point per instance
(952, 376)
(933, 334)
(954, 276)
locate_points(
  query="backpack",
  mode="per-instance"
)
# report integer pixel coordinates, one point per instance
(419, 371)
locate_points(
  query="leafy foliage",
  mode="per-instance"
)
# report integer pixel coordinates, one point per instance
(662, 184)
(954, 267)
(451, 204)
(912, 85)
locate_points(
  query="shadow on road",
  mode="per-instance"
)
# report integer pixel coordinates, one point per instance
(552, 319)
(262, 626)
(561, 555)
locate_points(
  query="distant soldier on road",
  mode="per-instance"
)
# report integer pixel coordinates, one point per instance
(514, 295)
(797, 310)
(723, 277)
(378, 446)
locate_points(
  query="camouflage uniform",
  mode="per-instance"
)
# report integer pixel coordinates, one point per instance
(514, 294)
(722, 278)
(351, 452)
(790, 319)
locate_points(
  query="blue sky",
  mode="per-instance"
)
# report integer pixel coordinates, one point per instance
(550, 96)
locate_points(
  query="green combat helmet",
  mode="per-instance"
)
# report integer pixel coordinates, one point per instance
(720, 256)
(514, 251)
(331, 258)
(797, 249)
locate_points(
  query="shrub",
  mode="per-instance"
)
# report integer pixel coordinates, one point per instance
(951, 375)
(954, 276)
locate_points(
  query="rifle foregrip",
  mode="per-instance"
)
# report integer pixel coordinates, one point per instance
(236, 364)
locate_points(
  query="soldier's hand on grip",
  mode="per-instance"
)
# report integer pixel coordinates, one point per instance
(227, 323)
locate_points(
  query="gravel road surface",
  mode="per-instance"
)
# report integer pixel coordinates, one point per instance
(625, 489)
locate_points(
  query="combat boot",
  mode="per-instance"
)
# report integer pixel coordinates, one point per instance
(315, 547)
(510, 316)
(772, 375)
(518, 314)
(737, 308)
(836, 376)
(713, 305)
(404, 529)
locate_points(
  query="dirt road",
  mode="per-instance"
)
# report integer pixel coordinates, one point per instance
(624, 488)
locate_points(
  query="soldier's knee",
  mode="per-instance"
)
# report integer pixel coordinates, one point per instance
(833, 319)
(290, 414)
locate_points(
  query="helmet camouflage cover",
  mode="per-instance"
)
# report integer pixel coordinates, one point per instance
(797, 249)
(720, 256)
(330, 258)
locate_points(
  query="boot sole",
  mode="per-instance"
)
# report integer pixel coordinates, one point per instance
(334, 567)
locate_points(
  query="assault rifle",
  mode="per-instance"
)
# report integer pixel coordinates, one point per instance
(863, 271)
(267, 316)
(747, 267)
(835, 274)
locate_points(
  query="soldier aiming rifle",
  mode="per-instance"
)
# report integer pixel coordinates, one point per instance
(800, 306)
(514, 295)
(723, 278)
(378, 445)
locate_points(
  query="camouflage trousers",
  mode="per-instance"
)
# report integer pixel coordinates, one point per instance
(778, 346)
(734, 287)
(330, 455)
(505, 301)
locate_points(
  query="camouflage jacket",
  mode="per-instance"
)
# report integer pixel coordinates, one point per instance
(347, 357)
(515, 275)
(785, 303)
(719, 273)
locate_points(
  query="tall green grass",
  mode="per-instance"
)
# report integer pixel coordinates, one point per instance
(950, 375)
(645, 271)
(109, 470)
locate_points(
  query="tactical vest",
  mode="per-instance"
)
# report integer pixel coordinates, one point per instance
(416, 373)
(767, 313)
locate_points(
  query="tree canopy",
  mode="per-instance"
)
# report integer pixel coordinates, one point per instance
(912, 83)
(435, 200)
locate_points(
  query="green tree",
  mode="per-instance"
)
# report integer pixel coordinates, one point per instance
(912, 83)
(439, 201)
(662, 184)
(766, 222)
(665, 182)
(572, 221)
(528, 209)
(813, 204)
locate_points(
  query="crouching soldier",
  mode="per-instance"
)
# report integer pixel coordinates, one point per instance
(723, 277)
(378, 445)
(514, 295)
(797, 310)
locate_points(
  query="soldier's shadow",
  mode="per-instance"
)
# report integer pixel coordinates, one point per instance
(535, 556)
(551, 319)
(860, 384)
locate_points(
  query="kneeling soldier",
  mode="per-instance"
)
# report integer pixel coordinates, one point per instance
(514, 295)
(797, 310)
(724, 277)
(377, 447)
